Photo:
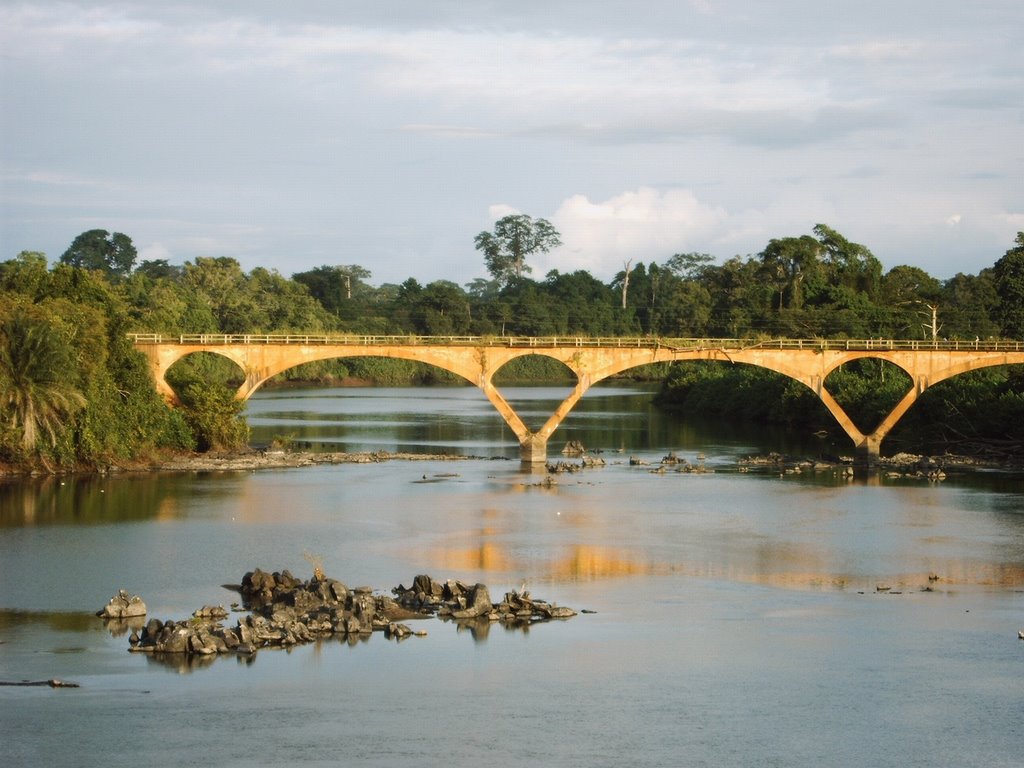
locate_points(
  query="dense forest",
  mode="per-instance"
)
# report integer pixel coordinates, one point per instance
(74, 393)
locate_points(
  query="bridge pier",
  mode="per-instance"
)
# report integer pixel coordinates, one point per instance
(866, 452)
(533, 449)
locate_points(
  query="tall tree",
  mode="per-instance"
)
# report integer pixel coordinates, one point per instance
(850, 264)
(113, 254)
(515, 238)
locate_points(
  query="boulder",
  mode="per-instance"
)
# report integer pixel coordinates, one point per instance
(478, 603)
(123, 606)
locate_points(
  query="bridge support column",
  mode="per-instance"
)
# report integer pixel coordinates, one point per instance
(867, 451)
(533, 449)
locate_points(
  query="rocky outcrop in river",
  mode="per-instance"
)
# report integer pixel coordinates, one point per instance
(285, 611)
(457, 600)
(123, 606)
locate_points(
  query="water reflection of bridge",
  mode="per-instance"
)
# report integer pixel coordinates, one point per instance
(591, 360)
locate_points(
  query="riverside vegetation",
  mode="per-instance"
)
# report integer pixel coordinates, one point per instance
(74, 394)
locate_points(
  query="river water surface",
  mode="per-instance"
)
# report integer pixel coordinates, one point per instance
(737, 617)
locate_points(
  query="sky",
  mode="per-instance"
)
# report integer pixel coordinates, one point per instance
(388, 134)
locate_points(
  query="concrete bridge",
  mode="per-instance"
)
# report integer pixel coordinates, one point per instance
(477, 359)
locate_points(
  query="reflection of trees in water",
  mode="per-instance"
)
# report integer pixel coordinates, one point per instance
(89, 499)
(57, 621)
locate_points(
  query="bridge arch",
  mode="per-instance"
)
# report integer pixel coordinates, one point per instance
(223, 354)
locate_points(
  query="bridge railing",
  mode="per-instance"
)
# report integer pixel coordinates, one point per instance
(682, 344)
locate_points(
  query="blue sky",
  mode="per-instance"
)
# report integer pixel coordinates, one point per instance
(388, 134)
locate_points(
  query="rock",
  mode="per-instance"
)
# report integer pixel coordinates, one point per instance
(210, 612)
(123, 606)
(397, 631)
(573, 448)
(561, 612)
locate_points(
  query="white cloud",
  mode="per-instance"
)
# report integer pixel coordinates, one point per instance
(876, 51)
(643, 225)
(501, 210)
(154, 252)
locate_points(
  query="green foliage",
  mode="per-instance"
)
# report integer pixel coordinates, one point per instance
(533, 369)
(37, 392)
(868, 390)
(976, 407)
(392, 372)
(341, 290)
(207, 367)
(215, 416)
(741, 393)
(1008, 274)
(97, 249)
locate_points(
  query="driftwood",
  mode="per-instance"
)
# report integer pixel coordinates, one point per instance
(53, 683)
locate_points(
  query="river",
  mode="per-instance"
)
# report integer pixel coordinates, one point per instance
(739, 618)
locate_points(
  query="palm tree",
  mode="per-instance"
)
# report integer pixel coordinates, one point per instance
(35, 394)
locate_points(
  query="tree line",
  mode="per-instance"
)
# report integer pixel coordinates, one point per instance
(74, 393)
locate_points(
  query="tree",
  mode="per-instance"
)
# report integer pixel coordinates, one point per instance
(689, 266)
(515, 238)
(442, 308)
(336, 287)
(220, 285)
(1009, 281)
(215, 416)
(97, 249)
(26, 274)
(970, 303)
(159, 269)
(788, 263)
(624, 281)
(36, 395)
(851, 265)
(911, 297)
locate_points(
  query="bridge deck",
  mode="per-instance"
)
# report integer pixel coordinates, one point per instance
(611, 342)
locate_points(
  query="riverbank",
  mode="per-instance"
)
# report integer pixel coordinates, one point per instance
(236, 461)
(255, 459)
(252, 459)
